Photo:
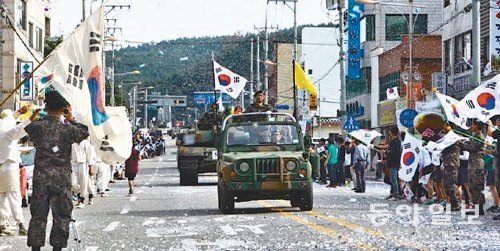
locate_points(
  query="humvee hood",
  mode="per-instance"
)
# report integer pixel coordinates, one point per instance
(261, 155)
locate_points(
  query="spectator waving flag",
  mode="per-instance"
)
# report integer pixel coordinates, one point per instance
(77, 74)
(227, 81)
(453, 110)
(412, 148)
(484, 101)
(392, 93)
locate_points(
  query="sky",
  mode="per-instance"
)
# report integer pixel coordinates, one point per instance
(157, 20)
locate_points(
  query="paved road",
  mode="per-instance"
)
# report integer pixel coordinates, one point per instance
(165, 216)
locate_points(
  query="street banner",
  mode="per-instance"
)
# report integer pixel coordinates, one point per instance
(392, 93)
(227, 81)
(439, 81)
(354, 52)
(27, 89)
(483, 102)
(453, 110)
(301, 81)
(350, 124)
(494, 59)
(365, 136)
(410, 157)
(76, 65)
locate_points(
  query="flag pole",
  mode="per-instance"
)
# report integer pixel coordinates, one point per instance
(215, 96)
(295, 115)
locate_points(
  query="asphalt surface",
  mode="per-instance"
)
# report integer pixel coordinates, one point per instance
(162, 215)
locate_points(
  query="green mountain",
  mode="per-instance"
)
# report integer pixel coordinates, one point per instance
(183, 66)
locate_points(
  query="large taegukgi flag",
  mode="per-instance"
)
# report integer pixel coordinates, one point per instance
(227, 81)
(484, 101)
(412, 148)
(76, 68)
(453, 110)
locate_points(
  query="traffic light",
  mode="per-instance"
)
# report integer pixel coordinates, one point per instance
(313, 101)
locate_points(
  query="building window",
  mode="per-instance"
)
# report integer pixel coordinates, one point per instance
(21, 14)
(396, 25)
(462, 52)
(447, 57)
(30, 34)
(370, 27)
(39, 39)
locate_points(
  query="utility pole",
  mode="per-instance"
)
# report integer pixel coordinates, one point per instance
(410, 44)
(112, 98)
(146, 108)
(476, 42)
(343, 91)
(134, 106)
(258, 63)
(266, 53)
(251, 70)
(83, 10)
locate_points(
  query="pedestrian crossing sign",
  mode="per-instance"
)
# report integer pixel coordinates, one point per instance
(350, 124)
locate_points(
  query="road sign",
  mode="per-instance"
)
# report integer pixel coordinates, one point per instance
(281, 107)
(406, 117)
(350, 124)
(206, 98)
(27, 88)
(439, 82)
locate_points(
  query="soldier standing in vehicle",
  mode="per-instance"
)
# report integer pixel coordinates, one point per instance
(476, 165)
(52, 174)
(259, 105)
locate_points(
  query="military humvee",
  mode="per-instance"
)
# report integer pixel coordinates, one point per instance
(262, 156)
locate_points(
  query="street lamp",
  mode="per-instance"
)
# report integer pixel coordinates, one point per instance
(146, 104)
(113, 75)
(409, 96)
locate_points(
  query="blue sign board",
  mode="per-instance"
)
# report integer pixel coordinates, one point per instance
(350, 124)
(281, 107)
(206, 98)
(354, 51)
(407, 117)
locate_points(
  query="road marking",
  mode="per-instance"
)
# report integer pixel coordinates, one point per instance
(255, 229)
(228, 230)
(125, 209)
(112, 226)
(373, 233)
(133, 198)
(318, 228)
(91, 248)
(5, 247)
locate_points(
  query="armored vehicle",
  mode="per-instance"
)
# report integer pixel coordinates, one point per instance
(262, 156)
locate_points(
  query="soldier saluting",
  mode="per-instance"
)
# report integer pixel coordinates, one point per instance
(52, 174)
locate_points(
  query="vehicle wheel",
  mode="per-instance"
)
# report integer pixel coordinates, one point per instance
(294, 200)
(306, 199)
(188, 178)
(226, 198)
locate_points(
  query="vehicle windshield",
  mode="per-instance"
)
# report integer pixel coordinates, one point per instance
(259, 134)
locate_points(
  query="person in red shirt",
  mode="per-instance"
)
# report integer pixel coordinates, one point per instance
(132, 167)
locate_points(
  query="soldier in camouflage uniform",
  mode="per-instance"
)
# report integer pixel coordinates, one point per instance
(52, 174)
(259, 105)
(451, 163)
(476, 165)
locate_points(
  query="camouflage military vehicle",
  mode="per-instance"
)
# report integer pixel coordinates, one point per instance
(262, 156)
(196, 153)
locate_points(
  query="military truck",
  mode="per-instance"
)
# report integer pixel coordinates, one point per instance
(196, 153)
(262, 156)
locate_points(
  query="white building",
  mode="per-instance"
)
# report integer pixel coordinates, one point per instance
(320, 57)
(22, 36)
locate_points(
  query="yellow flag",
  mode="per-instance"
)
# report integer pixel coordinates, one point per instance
(301, 80)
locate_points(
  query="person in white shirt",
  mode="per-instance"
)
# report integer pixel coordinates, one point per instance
(10, 157)
(102, 173)
(82, 161)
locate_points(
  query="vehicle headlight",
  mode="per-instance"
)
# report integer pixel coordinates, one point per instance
(244, 167)
(291, 165)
